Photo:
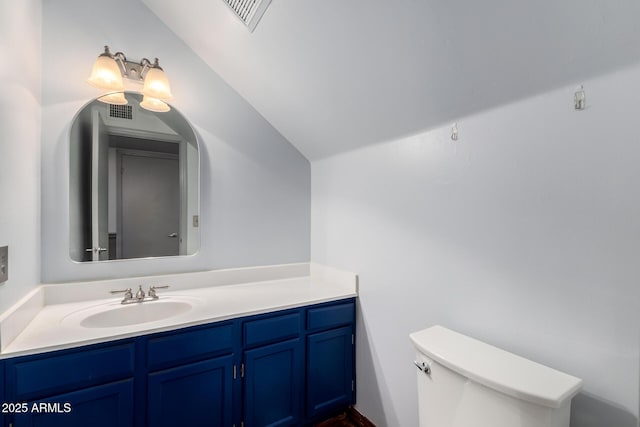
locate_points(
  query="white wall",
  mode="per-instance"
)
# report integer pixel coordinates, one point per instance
(255, 198)
(525, 234)
(385, 68)
(20, 72)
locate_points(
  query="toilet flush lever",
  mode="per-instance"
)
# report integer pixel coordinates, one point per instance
(423, 367)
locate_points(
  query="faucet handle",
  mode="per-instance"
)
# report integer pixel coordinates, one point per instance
(152, 290)
(128, 294)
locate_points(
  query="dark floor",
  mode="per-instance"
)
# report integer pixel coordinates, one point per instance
(350, 418)
(341, 420)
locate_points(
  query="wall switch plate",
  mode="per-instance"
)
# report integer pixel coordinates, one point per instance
(4, 263)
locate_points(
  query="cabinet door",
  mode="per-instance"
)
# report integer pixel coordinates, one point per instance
(330, 359)
(274, 385)
(53, 374)
(101, 406)
(194, 395)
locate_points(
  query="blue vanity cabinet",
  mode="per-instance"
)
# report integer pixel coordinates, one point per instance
(330, 362)
(191, 380)
(291, 367)
(273, 370)
(92, 385)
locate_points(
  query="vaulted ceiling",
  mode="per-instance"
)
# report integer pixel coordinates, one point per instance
(334, 75)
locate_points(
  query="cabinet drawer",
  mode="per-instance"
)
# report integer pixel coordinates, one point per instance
(51, 374)
(330, 316)
(185, 346)
(262, 331)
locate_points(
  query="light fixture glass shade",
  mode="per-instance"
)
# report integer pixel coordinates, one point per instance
(156, 84)
(154, 104)
(106, 74)
(116, 98)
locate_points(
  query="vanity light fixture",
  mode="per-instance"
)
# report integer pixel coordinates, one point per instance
(109, 70)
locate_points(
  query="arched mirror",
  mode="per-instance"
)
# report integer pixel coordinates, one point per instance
(133, 183)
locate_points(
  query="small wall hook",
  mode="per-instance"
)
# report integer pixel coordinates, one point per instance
(454, 132)
(579, 99)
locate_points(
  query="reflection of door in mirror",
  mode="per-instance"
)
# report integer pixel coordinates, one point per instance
(144, 197)
(149, 182)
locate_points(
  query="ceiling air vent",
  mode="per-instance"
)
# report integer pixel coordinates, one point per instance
(249, 11)
(121, 111)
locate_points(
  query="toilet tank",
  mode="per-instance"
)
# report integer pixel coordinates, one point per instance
(463, 382)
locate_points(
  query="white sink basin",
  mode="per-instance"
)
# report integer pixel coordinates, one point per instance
(114, 315)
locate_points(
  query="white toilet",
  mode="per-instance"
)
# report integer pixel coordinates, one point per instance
(463, 382)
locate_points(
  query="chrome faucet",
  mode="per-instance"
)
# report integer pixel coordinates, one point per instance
(140, 294)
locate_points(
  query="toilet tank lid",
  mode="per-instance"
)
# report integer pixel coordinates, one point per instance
(496, 368)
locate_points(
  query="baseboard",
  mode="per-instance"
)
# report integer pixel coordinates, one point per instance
(358, 419)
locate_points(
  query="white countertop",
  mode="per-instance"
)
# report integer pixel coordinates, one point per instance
(47, 327)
